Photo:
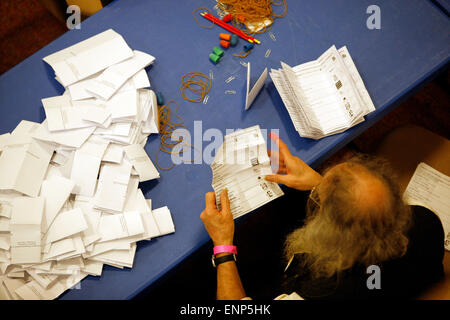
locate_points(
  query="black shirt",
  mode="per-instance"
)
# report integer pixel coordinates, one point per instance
(404, 277)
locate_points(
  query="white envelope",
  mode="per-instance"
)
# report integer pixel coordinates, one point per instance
(91, 234)
(112, 186)
(113, 153)
(62, 115)
(44, 280)
(117, 226)
(23, 167)
(89, 57)
(93, 268)
(86, 165)
(164, 220)
(78, 90)
(118, 257)
(79, 249)
(148, 101)
(123, 106)
(116, 75)
(101, 247)
(141, 162)
(72, 138)
(55, 191)
(66, 224)
(59, 248)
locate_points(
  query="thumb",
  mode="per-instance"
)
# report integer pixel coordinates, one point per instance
(277, 178)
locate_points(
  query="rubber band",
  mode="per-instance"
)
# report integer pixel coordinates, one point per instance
(252, 12)
(198, 84)
(242, 54)
(195, 17)
(166, 128)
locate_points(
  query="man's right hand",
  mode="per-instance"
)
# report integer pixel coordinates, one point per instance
(292, 171)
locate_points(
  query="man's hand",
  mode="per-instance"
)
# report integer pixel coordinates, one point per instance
(219, 224)
(292, 171)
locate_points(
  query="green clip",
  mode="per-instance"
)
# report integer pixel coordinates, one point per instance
(218, 52)
(214, 58)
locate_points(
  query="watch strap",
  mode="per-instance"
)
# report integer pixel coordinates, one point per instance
(219, 260)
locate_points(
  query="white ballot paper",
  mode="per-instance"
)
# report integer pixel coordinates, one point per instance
(431, 189)
(79, 171)
(251, 94)
(141, 162)
(89, 57)
(240, 166)
(116, 75)
(55, 191)
(26, 219)
(23, 164)
(78, 90)
(325, 96)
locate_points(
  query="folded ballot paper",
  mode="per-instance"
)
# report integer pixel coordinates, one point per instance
(325, 96)
(240, 166)
(69, 187)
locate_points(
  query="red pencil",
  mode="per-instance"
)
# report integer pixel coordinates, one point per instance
(228, 27)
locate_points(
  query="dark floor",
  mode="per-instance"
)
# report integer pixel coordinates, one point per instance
(26, 26)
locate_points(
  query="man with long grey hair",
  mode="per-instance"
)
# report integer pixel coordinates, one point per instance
(356, 221)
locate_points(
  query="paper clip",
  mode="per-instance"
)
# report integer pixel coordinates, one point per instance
(231, 78)
(272, 36)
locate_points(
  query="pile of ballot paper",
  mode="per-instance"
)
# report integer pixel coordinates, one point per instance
(325, 96)
(69, 187)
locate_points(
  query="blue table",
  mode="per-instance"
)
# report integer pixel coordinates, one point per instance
(410, 48)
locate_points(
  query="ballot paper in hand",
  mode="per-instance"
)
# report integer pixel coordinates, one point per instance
(431, 189)
(240, 166)
(325, 96)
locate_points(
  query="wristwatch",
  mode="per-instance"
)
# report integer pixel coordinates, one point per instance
(216, 261)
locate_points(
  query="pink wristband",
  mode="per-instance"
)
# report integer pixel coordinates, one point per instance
(224, 248)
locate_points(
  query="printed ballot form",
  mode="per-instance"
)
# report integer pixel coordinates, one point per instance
(240, 166)
(325, 96)
(431, 189)
(25, 226)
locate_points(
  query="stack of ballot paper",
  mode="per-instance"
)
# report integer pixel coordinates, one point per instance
(240, 166)
(69, 187)
(325, 96)
(431, 189)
